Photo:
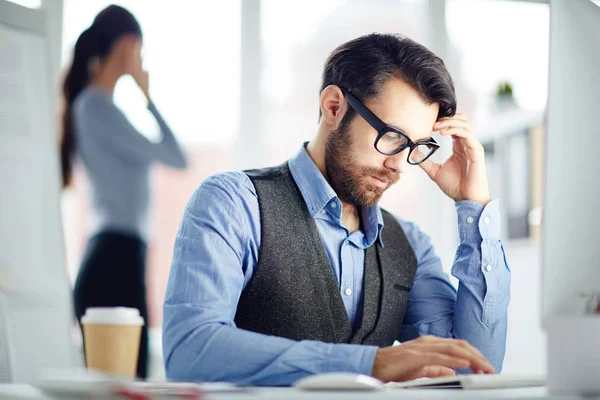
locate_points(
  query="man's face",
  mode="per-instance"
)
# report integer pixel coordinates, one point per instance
(357, 172)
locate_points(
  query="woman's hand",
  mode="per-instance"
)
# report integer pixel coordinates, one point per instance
(141, 78)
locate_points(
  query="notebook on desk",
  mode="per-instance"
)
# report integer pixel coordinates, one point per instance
(472, 382)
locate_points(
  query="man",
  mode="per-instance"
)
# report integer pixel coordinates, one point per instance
(294, 270)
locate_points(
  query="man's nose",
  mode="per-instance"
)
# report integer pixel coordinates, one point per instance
(398, 163)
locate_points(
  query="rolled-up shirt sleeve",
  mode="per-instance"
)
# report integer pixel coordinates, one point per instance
(477, 311)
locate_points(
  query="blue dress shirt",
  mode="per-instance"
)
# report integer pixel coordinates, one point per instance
(216, 251)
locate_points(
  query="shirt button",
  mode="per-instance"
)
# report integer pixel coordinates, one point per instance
(470, 220)
(486, 220)
(348, 291)
(333, 204)
(488, 268)
(323, 211)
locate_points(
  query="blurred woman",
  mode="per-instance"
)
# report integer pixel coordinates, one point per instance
(117, 159)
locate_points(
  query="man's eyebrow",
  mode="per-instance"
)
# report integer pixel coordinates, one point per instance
(399, 128)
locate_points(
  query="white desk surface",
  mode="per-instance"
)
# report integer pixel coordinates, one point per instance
(26, 392)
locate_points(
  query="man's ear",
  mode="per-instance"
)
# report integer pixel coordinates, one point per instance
(333, 105)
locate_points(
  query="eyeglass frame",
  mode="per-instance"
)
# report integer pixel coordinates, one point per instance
(382, 128)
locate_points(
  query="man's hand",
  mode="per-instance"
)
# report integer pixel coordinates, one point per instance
(428, 357)
(463, 176)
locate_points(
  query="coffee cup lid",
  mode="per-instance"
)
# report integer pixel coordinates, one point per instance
(112, 316)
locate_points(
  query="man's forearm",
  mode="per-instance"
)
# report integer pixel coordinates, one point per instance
(480, 313)
(215, 352)
(469, 324)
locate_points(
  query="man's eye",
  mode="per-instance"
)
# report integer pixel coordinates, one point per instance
(391, 136)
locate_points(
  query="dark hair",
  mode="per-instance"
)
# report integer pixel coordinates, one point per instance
(97, 41)
(364, 64)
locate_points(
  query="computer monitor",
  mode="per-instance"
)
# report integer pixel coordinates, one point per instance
(35, 295)
(571, 242)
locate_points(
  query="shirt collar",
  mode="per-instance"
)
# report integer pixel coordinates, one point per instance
(317, 193)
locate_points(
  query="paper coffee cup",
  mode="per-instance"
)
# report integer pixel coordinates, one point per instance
(112, 339)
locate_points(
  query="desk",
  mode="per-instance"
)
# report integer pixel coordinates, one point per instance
(27, 392)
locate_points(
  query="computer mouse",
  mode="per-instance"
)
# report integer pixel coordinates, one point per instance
(339, 381)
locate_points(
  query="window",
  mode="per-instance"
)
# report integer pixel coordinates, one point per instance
(192, 52)
(502, 41)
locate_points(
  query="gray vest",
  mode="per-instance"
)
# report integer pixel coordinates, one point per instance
(293, 292)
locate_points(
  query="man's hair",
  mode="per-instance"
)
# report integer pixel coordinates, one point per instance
(364, 64)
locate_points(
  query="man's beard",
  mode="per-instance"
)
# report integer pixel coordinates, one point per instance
(350, 181)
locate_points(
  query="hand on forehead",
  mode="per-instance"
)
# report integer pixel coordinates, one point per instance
(400, 106)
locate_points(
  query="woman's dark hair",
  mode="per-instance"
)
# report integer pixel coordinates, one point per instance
(364, 64)
(95, 42)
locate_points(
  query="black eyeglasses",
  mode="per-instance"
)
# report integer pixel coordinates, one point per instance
(390, 140)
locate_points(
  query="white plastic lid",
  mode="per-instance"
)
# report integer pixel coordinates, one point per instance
(112, 316)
